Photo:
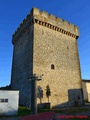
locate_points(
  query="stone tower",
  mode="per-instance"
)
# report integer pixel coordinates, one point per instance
(47, 45)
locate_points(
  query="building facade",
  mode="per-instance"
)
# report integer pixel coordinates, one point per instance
(9, 101)
(86, 90)
(47, 46)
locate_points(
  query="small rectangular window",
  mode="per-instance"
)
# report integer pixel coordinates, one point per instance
(6, 100)
(3, 100)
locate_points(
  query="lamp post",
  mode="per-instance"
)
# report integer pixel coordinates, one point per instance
(34, 80)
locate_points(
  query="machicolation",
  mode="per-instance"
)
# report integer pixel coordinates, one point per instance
(50, 21)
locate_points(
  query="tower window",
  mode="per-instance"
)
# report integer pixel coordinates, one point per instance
(67, 47)
(52, 66)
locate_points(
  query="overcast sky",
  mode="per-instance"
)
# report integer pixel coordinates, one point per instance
(12, 12)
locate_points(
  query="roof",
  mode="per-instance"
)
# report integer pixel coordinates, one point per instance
(83, 80)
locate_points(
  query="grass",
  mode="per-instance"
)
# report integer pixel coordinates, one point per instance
(22, 111)
(26, 111)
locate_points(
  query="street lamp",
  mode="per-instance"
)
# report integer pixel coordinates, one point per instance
(34, 80)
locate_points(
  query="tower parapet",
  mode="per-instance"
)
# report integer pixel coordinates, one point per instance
(55, 21)
(47, 20)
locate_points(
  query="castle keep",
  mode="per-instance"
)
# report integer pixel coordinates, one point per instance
(46, 45)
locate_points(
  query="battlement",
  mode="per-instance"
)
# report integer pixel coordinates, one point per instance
(47, 20)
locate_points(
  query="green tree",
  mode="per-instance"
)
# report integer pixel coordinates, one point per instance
(48, 92)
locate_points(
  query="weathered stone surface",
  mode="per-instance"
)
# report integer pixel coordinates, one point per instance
(50, 47)
(40, 41)
(22, 66)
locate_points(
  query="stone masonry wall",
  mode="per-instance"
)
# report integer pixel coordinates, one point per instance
(22, 66)
(52, 47)
(86, 90)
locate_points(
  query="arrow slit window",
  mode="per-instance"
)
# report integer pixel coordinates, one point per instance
(52, 66)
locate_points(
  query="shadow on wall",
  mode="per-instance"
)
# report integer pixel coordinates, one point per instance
(75, 98)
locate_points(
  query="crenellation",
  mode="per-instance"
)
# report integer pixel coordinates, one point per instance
(21, 24)
(48, 20)
(59, 19)
(18, 29)
(45, 14)
(52, 17)
(27, 16)
(71, 27)
(22, 27)
(76, 29)
(24, 21)
(66, 24)
(35, 11)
